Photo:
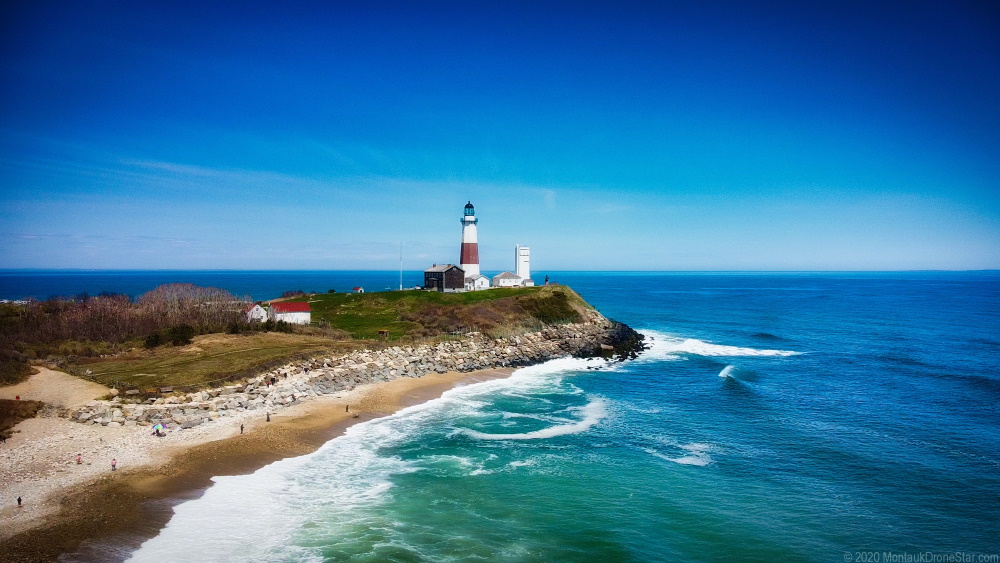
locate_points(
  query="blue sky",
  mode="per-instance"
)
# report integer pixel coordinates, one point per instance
(607, 136)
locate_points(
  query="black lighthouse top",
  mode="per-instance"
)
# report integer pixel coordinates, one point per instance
(469, 209)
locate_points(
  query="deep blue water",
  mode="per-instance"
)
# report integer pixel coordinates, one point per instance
(775, 416)
(259, 285)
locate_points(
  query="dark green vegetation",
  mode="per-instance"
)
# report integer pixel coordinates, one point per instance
(14, 367)
(186, 336)
(12, 412)
(422, 314)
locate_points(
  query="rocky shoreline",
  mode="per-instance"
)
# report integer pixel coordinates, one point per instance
(596, 336)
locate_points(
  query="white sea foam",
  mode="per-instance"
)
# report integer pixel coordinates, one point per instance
(527, 463)
(727, 371)
(552, 418)
(517, 395)
(592, 413)
(253, 517)
(696, 454)
(665, 347)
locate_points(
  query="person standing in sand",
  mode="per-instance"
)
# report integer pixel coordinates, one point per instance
(79, 459)
(18, 501)
(114, 464)
(241, 429)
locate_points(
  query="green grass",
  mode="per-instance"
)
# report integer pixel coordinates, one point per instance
(210, 360)
(418, 313)
(213, 359)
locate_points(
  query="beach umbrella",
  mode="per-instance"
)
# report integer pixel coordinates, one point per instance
(158, 427)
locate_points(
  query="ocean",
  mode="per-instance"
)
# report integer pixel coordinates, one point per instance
(813, 416)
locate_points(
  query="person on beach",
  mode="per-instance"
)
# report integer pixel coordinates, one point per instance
(347, 408)
(114, 464)
(269, 417)
(241, 429)
(79, 459)
(18, 501)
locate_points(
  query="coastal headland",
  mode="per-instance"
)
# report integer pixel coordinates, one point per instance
(286, 411)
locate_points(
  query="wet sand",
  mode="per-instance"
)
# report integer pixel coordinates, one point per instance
(105, 518)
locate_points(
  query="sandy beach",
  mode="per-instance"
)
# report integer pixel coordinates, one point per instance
(67, 504)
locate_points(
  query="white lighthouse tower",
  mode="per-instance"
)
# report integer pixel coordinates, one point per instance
(522, 262)
(470, 242)
(522, 265)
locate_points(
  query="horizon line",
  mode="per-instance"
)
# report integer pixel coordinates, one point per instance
(915, 270)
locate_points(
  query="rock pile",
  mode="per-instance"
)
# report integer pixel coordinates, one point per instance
(319, 376)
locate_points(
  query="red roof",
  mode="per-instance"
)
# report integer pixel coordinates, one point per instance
(290, 307)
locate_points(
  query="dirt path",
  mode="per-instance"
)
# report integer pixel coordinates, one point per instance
(55, 388)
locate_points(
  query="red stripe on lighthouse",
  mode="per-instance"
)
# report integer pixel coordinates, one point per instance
(470, 253)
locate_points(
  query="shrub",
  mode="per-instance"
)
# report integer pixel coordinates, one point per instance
(13, 369)
(181, 334)
(153, 340)
(12, 412)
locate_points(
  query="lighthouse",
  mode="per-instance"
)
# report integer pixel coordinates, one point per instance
(470, 242)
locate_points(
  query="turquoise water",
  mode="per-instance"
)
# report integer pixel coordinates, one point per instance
(774, 417)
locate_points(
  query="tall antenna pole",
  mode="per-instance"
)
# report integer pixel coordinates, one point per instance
(401, 265)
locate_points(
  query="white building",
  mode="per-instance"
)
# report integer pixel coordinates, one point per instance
(522, 265)
(294, 313)
(507, 279)
(477, 282)
(256, 313)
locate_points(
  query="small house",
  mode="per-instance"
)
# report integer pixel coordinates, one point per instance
(255, 313)
(507, 279)
(477, 282)
(447, 278)
(295, 313)
(358, 290)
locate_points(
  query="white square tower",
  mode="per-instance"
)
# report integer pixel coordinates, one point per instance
(522, 262)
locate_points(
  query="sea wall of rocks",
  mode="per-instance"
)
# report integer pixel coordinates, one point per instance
(296, 381)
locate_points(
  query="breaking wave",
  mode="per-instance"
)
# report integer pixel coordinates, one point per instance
(664, 346)
(696, 454)
(592, 412)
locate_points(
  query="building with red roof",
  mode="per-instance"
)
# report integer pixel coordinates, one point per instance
(295, 312)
